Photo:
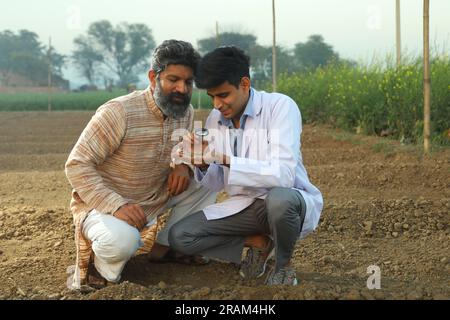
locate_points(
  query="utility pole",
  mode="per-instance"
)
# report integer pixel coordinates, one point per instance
(197, 89)
(274, 51)
(217, 35)
(426, 76)
(398, 33)
(49, 74)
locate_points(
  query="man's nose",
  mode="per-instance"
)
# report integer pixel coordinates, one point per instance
(182, 87)
(217, 103)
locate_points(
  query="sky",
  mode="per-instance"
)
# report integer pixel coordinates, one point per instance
(357, 29)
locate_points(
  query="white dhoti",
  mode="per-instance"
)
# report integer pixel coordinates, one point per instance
(114, 241)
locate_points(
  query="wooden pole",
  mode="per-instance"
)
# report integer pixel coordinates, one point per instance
(274, 50)
(49, 100)
(197, 89)
(398, 33)
(217, 34)
(426, 76)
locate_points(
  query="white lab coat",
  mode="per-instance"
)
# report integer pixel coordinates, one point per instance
(270, 157)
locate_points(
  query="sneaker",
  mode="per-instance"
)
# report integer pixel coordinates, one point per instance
(286, 276)
(254, 264)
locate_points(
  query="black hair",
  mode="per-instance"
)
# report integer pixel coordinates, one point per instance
(223, 64)
(174, 52)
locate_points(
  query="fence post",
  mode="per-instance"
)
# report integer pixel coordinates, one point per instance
(426, 76)
(274, 50)
(49, 98)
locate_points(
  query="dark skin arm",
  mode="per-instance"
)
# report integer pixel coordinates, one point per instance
(178, 180)
(218, 157)
(132, 214)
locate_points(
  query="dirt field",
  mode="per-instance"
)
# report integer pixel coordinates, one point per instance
(384, 205)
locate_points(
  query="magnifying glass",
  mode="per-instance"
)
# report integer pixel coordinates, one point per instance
(201, 132)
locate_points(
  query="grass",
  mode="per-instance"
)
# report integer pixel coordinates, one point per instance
(384, 147)
(347, 136)
(387, 146)
(60, 101)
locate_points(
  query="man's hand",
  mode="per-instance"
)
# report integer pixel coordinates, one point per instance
(200, 153)
(193, 149)
(132, 214)
(178, 180)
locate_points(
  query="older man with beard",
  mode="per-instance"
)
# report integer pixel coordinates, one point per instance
(121, 175)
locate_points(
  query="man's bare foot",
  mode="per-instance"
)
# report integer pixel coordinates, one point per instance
(158, 252)
(94, 279)
(257, 241)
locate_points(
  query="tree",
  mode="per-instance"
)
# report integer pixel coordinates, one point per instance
(314, 53)
(23, 54)
(58, 61)
(260, 56)
(244, 41)
(86, 59)
(261, 62)
(6, 56)
(119, 50)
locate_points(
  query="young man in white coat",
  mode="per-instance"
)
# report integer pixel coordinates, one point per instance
(253, 153)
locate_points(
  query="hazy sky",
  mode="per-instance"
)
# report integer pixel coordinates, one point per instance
(355, 28)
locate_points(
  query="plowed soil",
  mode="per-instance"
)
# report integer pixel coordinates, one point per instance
(385, 205)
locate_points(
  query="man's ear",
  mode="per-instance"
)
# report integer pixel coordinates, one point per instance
(246, 83)
(152, 77)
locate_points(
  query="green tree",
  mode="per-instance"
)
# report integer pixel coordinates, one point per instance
(241, 40)
(86, 59)
(260, 56)
(313, 53)
(120, 51)
(261, 63)
(23, 54)
(58, 61)
(6, 56)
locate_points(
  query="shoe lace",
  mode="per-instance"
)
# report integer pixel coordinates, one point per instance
(256, 258)
(282, 276)
(253, 259)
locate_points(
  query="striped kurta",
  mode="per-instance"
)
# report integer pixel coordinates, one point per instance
(122, 156)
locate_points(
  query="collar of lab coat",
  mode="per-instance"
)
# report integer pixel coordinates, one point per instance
(251, 110)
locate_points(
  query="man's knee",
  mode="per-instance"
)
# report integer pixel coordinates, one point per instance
(120, 246)
(280, 202)
(184, 236)
(178, 238)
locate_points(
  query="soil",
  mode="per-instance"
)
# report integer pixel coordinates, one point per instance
(385, 205)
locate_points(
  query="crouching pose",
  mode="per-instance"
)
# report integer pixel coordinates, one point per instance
(253, 153)
(121, 175)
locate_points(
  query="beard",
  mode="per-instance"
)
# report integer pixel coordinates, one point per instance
(168, 105)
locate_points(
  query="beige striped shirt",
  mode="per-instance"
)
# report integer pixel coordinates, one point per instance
(122, 156)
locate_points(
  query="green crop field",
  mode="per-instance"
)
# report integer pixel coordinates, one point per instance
(375, 99)
(75, 100)
(378, 98)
